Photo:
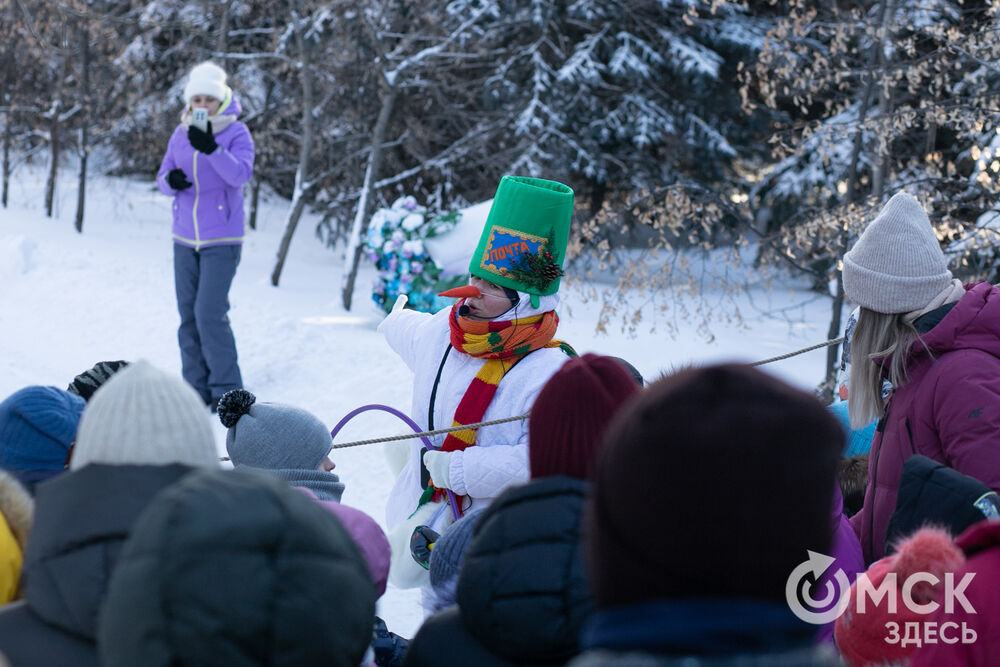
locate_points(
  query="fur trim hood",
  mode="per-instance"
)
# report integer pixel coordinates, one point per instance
(18, 508)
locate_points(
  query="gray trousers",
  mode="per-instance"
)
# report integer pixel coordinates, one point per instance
(208, 348)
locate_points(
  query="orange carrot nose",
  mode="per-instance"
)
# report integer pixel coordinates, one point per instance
(465, 291)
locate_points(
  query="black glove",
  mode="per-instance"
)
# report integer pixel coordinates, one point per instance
(388, 647)
(421, 543)
(202, 141)
(86, 383)
(178, 180)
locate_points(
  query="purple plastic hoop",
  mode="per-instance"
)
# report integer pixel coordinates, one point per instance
(409, 422)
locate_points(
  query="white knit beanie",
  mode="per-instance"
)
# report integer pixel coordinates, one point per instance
(206, 78)
(897, 265)
(143, 416)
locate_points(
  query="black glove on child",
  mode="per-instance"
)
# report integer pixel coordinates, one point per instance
(202, 141)
(178, 180)
(421, 544)
(388, 647)
(86, 383)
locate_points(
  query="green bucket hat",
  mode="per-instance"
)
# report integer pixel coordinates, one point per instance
(524, 240)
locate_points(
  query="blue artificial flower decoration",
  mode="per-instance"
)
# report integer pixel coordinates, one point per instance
(394, 243)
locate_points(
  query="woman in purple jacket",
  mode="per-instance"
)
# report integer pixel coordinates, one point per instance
(204, 171)
(938, 343)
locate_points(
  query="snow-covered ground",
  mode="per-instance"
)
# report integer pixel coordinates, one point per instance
(68, 300)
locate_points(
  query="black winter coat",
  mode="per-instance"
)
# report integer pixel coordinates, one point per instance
(235, 568)
(522, 593)
(931, 493)
(81, 521)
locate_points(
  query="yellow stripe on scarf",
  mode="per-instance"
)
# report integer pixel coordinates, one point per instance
(491, 373)
(468, 436)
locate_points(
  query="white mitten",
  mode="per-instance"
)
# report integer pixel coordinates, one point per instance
(404, 572)
(439, 466)
(396, 307)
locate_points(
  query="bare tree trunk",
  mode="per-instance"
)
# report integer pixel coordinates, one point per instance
(302, 173)
(262, 157)
(294, 213)
(352, 253)
(222, 39)
(50, 183)
(81, 191)
(7, 134)
(880, 168)
(875, 63)
(254, 200)
(54, 134)
(881, 164)
(5, 97)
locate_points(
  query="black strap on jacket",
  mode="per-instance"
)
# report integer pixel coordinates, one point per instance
(425, 475)
(434, 389)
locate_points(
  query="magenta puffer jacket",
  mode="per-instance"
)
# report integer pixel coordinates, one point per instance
(948, 410)
(211, 211)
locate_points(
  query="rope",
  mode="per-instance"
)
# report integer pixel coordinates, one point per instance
(828, 343)
(439, 431)
(410, 436)
(422, 434)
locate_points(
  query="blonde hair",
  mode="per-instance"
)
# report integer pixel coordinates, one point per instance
(882, 337)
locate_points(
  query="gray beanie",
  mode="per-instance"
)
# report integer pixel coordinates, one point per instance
(144, 416)
(272, 435)
(897, 265)
(446, 556)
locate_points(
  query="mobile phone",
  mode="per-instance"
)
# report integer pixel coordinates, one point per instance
(199, 118)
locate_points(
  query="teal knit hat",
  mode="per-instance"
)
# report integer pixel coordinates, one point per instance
(859, 440)
(524, 241)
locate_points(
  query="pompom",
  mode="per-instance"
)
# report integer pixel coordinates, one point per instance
(233, 405)
(931, 550)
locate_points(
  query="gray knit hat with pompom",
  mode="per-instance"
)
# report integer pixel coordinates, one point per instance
(272, 435)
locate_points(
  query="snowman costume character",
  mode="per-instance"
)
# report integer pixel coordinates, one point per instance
(485, 358)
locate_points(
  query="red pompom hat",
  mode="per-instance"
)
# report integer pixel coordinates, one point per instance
(862, 638)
